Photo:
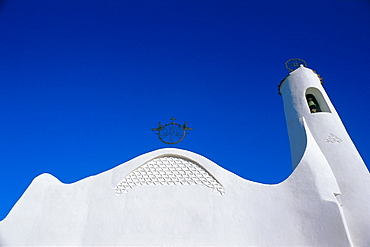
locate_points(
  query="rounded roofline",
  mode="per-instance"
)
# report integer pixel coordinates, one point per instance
(300, 68)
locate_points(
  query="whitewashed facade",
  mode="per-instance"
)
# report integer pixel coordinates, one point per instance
(172, 197)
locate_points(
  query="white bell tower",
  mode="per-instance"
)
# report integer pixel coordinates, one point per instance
(305, 99)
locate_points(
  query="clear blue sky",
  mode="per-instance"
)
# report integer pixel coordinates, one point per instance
(83, 82)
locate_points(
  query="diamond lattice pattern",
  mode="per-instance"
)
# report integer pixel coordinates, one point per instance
(169, 171)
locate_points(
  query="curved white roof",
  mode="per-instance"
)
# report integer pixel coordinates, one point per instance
(185, 200)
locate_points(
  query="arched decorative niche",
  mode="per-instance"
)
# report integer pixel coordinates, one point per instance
(315, 101)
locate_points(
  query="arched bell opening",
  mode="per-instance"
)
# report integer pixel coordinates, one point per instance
(315, 101)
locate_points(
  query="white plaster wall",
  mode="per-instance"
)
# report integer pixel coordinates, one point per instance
(333, 140)
(325, 202)
(301, 211)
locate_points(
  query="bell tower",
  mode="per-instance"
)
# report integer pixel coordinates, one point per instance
(305, 101)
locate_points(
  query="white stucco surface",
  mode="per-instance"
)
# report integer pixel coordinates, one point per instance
(302, 210)
(334, 142)
(173, 197)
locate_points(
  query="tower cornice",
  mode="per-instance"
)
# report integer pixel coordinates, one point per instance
(282, 81)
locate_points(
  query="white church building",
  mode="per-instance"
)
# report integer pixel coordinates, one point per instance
(173, 197)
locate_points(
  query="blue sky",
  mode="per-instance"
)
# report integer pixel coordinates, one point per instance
(83, 82)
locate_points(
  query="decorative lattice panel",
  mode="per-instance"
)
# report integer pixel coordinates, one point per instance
(333, 139)
(169, 171)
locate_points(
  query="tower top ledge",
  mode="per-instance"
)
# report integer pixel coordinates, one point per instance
(301, 66)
